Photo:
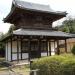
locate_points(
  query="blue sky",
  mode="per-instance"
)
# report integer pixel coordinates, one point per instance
(57, 5)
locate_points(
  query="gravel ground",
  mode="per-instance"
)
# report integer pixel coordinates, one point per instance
(7, 73)
(16, 72)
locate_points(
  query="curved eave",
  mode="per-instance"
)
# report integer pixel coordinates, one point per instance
(15, 6)
(40, 11)
(6, 37)
(9, 15)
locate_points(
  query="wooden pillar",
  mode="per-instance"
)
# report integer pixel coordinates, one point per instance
(21, 48)
(58, 51)
(17, 49)
(7, 49)
(39, 48)
(11, 48)
(55, 46)
(65, 46)
(29, 49)
(50, 48)
(47, 47)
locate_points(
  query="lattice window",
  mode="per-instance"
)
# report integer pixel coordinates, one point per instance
(34, 45)
(25, 47)
(43, 46)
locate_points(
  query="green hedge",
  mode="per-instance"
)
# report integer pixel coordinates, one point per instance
(55, 65)
(73, 50)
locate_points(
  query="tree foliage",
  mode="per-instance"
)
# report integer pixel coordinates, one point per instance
(2, 36)
(55, 65)
(73, 50)
(2, 46)
(68, 26)
(12, 27)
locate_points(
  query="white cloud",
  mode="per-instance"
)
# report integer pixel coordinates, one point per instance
(63, 5)
(4, 27)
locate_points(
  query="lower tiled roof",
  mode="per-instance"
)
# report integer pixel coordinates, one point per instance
(40, 32)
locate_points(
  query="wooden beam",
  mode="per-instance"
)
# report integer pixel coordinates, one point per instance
(65, 46)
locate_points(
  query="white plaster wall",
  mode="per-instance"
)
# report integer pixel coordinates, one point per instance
(9, 51)
(6, 52)
(14, 46)
(48, 48)
(14, 56)
(53, 48)
(44, 54)
(14, 49)
(24, 55)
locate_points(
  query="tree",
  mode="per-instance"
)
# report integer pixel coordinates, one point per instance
(2, 47)
(65, 29)
(12, 27)
(68, 26)
(73, 50)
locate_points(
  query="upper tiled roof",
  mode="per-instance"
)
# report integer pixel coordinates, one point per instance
(28, 5)
(35, 7)
(32, 7)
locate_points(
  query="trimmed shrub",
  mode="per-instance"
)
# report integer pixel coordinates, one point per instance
(73, 50)
(55, 65)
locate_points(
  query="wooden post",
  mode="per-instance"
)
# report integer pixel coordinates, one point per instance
(21, 48)
(17, 50)
(50, 48)
(54, 45)
(47, 46)
(11, 48)
(29, 49)
(58, 51)
(65, 46)
(39, 47)
(7, 50)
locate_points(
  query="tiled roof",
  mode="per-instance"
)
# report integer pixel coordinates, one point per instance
(35, 7)
(40, 33)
